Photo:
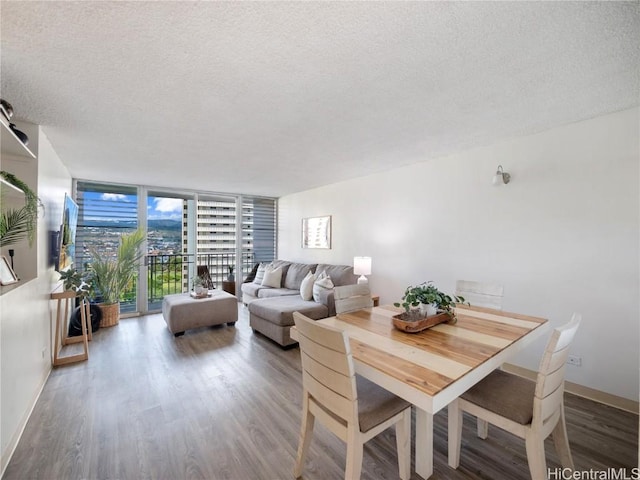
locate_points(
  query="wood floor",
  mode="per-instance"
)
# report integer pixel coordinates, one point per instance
(224, 403)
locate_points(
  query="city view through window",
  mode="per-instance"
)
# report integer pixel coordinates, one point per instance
(183, 237)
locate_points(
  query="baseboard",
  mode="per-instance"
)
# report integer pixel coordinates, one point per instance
(580, 390)
(8, 453)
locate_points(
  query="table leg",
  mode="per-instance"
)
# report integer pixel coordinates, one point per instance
(424, 443)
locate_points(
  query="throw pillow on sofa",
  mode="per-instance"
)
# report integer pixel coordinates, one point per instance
(260, 274)
(322, 286)
(306, 287)
(272, 277)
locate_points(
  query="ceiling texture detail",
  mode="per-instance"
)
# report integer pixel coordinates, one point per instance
(271, 98)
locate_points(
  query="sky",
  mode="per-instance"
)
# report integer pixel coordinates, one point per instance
(158, 208)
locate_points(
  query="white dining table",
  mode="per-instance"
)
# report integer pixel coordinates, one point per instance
(433, 367)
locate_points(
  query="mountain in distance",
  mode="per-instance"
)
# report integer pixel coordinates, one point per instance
(161, 224)
(165, 224)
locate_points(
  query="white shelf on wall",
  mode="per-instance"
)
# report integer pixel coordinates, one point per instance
(11, 144)
(21, 161)
(12, 188)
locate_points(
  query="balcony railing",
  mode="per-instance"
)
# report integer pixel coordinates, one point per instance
(168, 274)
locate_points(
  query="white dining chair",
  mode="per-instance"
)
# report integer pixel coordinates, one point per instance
(481, 294)
(352, 407)
(530, 410)
(349, 298)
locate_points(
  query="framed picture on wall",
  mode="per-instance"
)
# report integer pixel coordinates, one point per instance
(316, 232)
(7, 275)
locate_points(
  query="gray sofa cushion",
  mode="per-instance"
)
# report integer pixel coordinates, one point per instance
(279, 310)
(295, 275)
(276, 292)
(251, 288)
(340, 274)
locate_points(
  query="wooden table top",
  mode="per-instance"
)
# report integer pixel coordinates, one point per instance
(437, 358)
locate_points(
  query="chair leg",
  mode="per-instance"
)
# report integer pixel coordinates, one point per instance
(355, 451)
(403, 443)
(483, 428)
(561, 441)
(455, 433)
(535, 455)
(306, 432)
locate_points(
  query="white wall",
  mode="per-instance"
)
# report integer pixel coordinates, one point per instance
(26, 313)
(563, 236)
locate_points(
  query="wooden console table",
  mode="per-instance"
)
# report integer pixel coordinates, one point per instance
(62, 327)
(229, 287)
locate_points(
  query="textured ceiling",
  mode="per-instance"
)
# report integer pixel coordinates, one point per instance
(272, 98)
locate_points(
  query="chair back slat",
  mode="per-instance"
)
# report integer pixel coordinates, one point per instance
(328, 373)
(338, 382)
(349, 298)
(324, 335)
(551, 403)
(481, 294)
(553, 381)
(328, 399)
(324, 355)
(566, 336)
(557, 360)
(550, 383)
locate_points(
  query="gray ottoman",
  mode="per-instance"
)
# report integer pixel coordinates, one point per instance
(182, 312)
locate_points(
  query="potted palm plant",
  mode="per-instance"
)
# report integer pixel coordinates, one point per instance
(111, 275)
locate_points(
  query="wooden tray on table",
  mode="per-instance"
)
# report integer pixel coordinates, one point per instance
(413, 322)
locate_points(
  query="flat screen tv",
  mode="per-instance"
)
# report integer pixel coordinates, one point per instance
(67, 235)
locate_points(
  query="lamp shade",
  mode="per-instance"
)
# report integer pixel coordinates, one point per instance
(362, 265)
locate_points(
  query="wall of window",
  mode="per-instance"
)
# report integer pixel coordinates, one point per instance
(211, 230)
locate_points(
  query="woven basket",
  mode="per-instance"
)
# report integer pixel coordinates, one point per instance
(110, 314)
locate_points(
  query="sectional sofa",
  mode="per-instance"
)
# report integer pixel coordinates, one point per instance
(271, 308)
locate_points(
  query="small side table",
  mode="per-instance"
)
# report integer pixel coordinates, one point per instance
(376, 300)
(229, 287)
(60, 337)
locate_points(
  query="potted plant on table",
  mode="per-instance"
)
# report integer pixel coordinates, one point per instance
(199, 288)
(75, 281)
(111, 274)
(426, 301)
(79, 283)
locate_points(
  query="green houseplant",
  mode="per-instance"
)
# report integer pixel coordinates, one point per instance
(112, 274)
(199, 287)
(428, 294)
(77, 282)
(16, 224)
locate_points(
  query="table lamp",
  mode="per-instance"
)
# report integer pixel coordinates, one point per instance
(362, 267)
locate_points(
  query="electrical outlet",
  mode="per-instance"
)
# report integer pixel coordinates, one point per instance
(44, 351)
(574, 360)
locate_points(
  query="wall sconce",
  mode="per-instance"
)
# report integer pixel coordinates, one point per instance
(501, 177)
(362, 267)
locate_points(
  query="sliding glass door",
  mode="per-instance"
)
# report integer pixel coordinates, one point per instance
(170, 246)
